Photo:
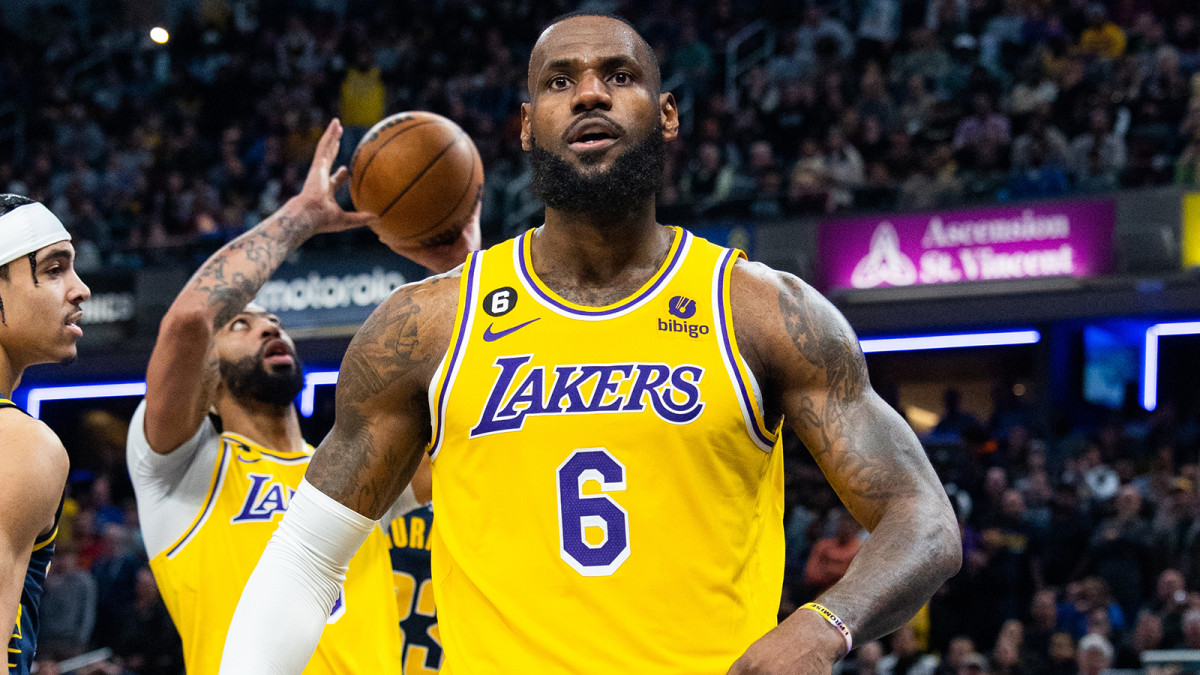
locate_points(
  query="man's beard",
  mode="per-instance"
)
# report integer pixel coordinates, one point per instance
(634, 177)
(247, 379)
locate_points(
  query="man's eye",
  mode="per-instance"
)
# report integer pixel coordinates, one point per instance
(238, 324)
(622, 78)
(559, 82)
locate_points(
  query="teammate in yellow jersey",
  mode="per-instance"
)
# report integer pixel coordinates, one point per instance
(215, 450)
(602, 399)
(40, 298)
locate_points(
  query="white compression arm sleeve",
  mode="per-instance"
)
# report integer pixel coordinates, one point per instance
(292, 590)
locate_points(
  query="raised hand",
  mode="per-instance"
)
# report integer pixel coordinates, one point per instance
(322, 182)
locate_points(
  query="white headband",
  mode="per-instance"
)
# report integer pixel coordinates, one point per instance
(28, 228)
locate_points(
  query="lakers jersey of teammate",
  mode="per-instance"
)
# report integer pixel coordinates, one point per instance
(609, 496)
(22, 644)
(411, 537)
(202, 574)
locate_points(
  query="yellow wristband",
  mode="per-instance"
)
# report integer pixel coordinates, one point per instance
(833, 621)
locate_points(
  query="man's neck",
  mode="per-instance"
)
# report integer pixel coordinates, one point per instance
(10, 374)
(599, 250)
(274, 427)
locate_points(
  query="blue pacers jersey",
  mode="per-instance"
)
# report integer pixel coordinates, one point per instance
(22, 646)
(411, 541)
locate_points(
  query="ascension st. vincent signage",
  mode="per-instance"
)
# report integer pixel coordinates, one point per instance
(984, 244)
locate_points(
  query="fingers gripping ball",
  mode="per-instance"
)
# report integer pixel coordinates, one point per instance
(421, 174)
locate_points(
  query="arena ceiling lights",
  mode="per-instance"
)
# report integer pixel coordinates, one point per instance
(1150, 365)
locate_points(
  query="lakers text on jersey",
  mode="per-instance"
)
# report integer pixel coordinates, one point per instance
(611, 498)
(202, 574)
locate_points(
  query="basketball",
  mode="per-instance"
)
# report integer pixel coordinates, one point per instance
(421, 174)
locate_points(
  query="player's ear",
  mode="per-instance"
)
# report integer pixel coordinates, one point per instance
(670, 116)
(526, 133)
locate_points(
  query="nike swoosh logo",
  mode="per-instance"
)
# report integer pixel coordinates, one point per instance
(489, 336)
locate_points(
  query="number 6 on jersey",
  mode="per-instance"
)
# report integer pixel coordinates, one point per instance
(577, 512)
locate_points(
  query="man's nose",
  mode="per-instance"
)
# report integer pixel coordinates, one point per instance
(591, 93)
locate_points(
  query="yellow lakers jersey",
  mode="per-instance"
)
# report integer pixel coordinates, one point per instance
(609, 498)
(202, 574)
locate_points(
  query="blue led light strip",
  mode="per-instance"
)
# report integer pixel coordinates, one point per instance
(1150, 362)
(957, 340)
(37, 395)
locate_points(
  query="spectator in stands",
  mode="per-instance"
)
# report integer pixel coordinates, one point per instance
(983, 125)
(1191, 629)
(874, 100)
(1098, 482)
(1001, 34)
(905, 657)
(865, 660)
(878, 30)
(1162, 94)
(146, 638)
(1095, 655)
(1040, 131)
(116, 582)
(1062, 655)
(693, 58)
(831, 556)
(808, 183)
(1006, 656)
(1120, 550)
(936, 183)
(844, 168)
(1033, 91)
(1084, 596)
(1043, 622)
(1040, 178)
(1147, 634)
(819, 32)
(363, 100)
(957, 650)
(954, 419)
(918, 105)
(707, 181)
(1101, 38)
(947, 17)
(924, 58)
(1170, 602)
(1187, 167)
(68, 611)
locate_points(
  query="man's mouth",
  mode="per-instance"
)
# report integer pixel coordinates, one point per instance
(72, 324)
(277, 353)
(593, 134)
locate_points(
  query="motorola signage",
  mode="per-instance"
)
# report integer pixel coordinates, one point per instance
(330, 292)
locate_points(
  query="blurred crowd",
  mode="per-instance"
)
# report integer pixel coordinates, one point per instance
(789, 108)
(1081, 543)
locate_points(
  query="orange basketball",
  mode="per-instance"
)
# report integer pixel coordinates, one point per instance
(421, 174)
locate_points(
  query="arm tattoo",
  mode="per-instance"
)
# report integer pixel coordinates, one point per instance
(843, 435)
(875, 464)
(232, 277)
(356, 464)
(819, 341)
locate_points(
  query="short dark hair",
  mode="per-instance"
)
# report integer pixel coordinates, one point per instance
(9, 201)
(606, 15)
